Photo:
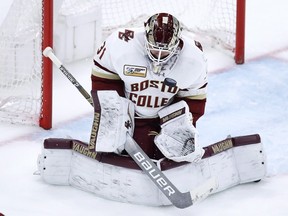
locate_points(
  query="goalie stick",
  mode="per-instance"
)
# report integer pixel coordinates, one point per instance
(177, 198)
(48, 52)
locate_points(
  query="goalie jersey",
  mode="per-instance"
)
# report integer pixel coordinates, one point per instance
(122, 64)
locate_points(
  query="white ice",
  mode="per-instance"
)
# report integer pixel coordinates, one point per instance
(243, 99)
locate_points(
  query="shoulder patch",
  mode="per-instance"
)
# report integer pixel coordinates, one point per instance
(133, 70)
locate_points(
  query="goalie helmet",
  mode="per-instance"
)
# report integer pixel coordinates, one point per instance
(162, 37)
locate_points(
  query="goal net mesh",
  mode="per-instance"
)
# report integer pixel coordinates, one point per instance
(20, 63)
(212, 20)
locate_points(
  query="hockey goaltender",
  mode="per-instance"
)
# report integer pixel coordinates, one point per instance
(148, 90)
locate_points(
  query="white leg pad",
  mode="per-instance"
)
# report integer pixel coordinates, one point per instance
(250, 162)
(237, 165)
(54, 165)
(231, 167)
(114, 183)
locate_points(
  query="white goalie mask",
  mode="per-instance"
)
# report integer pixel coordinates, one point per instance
(162, 37)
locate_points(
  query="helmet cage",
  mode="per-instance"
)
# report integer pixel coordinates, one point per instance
(160, 50)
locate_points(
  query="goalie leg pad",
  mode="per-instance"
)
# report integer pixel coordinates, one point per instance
(251, 162)
(73, 166)
(69, 162)
(231, 167)
(114, 183)
(54, 165)
(237, 165)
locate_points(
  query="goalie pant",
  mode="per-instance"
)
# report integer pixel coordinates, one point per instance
(231, 162)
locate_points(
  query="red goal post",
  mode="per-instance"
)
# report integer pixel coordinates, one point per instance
(240, 32)
(45, 118)
(26, 76)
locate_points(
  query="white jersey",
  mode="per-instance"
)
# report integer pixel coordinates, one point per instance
(123, 54)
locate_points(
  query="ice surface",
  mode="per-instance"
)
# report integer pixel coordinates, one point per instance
(242, 99)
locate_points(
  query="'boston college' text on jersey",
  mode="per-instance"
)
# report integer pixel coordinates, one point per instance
(123, 57)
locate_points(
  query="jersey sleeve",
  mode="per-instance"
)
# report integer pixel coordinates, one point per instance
(195, 94)
(196, 102)
(104, 76)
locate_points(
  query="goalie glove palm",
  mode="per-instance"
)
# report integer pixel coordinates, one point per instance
(178, 139)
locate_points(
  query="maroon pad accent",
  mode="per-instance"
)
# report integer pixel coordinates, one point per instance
(228, 143)
(246, 140)
(57, 143)
(109, 158)
(127, 162)
(118, 160)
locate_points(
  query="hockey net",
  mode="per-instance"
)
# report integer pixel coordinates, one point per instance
(20, 63)
(26, 77)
